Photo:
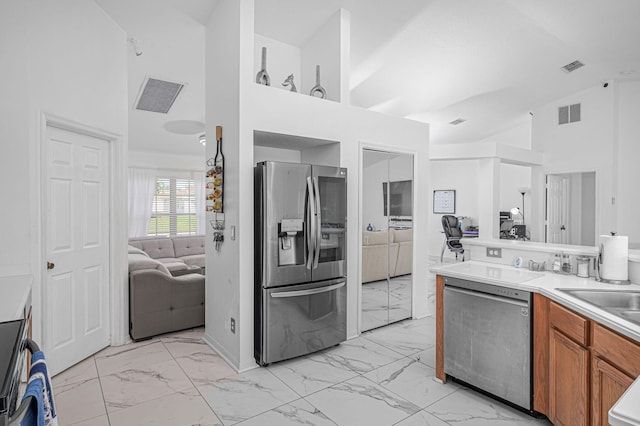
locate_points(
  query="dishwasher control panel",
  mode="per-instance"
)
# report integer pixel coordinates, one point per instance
(495, 290)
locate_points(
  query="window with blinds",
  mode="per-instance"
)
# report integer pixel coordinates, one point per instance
(174, 207)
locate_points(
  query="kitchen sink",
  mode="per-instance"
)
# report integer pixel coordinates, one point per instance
(622, 303)
(631, 315)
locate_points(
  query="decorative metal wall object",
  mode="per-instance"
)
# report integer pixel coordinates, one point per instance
(263, 77)
(214, 189)
(289, 82)
(318, 88)
(215, 177)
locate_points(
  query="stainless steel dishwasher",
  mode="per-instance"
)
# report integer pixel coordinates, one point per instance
(487, 339)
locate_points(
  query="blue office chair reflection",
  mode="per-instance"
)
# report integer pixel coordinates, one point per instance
(452, 236)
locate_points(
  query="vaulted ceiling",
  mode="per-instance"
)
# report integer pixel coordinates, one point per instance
(488, 62)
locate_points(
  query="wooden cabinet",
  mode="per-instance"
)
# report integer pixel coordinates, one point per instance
(607, 386)
(541, 354)
(588, 366)
(615, 362)
(568, 381)
(568, 367)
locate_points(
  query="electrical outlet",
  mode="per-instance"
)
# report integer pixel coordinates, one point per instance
(233, 326)
(494, 252)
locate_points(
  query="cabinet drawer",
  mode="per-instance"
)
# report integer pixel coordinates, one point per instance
(571, 324)
(618, 350)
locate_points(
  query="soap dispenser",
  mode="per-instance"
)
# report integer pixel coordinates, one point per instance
(556, 264)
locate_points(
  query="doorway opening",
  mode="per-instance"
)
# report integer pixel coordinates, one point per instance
(387, 238)
(570, 208)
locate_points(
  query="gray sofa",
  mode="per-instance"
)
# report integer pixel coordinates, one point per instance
(177, 254)
(166, 293)
(386, 253)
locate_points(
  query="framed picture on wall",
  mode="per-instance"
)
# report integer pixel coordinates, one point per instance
(444, 201)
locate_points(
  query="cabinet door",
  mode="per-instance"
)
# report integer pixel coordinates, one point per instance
(569, 381)
(607, 386)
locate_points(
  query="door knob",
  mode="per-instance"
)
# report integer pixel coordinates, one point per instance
(50, 265)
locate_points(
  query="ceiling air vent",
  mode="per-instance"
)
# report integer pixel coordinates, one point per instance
(157, 95)
(457, 121)
(569, 114)
(572, 66)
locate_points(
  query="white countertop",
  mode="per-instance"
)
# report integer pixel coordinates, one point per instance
(634, 254)
(15, 296)
(626, 411)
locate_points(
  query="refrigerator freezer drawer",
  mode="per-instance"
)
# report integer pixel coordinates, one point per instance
(300, 319)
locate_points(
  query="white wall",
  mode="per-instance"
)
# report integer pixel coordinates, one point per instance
(65, 59)
(157, 160)
(372, 198)
(605, 141)
(228, 67)
(588, 145)
(323, 48)
(15, 158)
(512, 178)
(519, 136)
(242, 107)
(265, 153)
(588, 235)
(282, 60)
(391, 168)
(628, 171)
(461, 175)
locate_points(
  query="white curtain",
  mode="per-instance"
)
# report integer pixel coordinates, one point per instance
(142, 187)
(200, 204)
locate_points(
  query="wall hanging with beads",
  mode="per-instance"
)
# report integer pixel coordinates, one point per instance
(215, 177)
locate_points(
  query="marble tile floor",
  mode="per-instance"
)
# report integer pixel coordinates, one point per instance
(386, 302)
(383, 377)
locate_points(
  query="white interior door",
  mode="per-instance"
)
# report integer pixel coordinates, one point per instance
(557, 209)
(76, 233)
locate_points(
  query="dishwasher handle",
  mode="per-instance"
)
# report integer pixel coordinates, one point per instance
(487, 296)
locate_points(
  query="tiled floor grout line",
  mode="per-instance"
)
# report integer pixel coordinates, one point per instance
(191, 380)
(358, 374)
(340, 360)
(104, 401)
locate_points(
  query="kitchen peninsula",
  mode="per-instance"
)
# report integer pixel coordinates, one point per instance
(583, 357)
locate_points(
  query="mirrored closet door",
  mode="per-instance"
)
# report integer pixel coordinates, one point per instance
(387, 248)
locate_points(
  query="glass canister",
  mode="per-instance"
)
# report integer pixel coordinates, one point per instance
(583, 266)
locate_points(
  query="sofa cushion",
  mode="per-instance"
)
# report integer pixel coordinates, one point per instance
(187, 246)
(402, 235)
(156, 247)
(139, 261)
(134, 250)
(172, 263)
(375, 238)
(195, 260)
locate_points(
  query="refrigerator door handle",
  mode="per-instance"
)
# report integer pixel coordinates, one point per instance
(318, 234)
(308, 292)
(311, 223)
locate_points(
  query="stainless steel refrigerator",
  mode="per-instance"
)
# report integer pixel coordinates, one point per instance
(300, 259)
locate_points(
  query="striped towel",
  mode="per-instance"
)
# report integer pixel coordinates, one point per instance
(39, 369)
(35, 412)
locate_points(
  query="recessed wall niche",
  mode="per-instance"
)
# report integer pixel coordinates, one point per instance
(269, 146)
(298, 49)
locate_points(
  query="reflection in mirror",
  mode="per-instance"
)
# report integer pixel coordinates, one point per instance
(570, 213)
(387, 250)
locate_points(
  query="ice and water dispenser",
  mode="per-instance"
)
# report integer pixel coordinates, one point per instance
(291, 242)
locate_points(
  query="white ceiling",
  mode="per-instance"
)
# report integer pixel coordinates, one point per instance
(489, 62)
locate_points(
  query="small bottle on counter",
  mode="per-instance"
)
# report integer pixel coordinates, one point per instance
(556, 264)
(566, 264)
(583, 266)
